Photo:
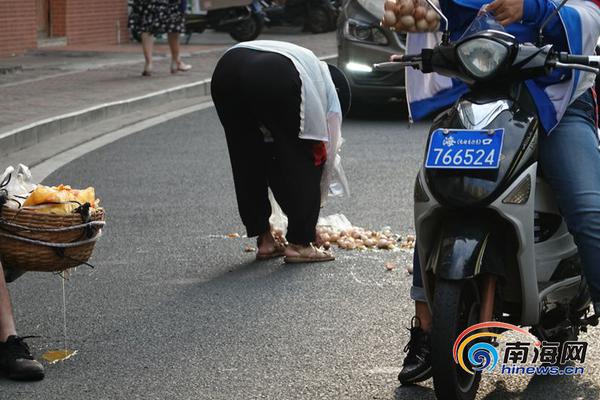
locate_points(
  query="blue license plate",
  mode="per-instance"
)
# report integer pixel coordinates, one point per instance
(465, 149)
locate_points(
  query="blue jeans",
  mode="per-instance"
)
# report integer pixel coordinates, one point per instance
(570, 160)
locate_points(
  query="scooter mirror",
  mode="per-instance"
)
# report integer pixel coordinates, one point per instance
(540, 34)
(446, 36)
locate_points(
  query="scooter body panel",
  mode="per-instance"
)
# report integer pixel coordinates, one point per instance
(462, 241)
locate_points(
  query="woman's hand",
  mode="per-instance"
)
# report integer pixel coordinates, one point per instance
(506, 11)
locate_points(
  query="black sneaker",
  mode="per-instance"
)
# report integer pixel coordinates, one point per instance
(417, 363)
(17, 362)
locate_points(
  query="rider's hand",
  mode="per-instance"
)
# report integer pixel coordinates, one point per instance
(396, 57)
(507, 11)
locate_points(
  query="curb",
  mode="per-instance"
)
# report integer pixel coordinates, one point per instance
(41, 131)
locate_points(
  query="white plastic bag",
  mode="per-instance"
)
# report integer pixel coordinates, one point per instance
(337, 222)
(18, 184)
(278, 220)
(334, 182)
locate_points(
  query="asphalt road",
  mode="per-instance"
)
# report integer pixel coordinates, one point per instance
(175, 311)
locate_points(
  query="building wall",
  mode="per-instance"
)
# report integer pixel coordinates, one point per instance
(18, 29)
(59, 18)
(95, 22)
(80, 21)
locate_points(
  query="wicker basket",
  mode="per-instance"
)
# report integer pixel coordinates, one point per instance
(34, 241)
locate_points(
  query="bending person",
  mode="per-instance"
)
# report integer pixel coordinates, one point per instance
(280, 109)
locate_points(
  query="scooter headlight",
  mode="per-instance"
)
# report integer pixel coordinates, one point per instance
(482, 57)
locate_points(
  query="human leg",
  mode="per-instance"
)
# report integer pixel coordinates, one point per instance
(7, 321)
(570, 161)
(15, 358)
(148, 48)
(176, 63)
(247, 150)
(417, 363)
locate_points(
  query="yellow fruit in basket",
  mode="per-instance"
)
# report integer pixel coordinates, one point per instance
(60, 199)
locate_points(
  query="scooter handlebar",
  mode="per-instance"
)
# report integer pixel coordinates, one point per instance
(413, 61)
(582, 63)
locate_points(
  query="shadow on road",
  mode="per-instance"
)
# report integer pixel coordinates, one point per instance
(413, 392)
(379, 112)
(543, 387)
(539, 387)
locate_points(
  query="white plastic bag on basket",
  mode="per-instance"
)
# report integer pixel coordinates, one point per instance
(18, 184)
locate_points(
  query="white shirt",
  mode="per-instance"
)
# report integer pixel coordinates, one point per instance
(320, 110)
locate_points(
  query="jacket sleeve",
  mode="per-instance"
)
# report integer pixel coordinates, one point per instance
(575, 29)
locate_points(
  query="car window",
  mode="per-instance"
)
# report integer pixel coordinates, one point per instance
(375, 7)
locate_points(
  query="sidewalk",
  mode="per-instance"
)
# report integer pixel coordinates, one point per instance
(54, 82)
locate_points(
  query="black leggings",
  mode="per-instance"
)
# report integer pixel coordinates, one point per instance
(251, 89)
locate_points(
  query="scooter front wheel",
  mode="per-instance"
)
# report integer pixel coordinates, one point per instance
(455, 307)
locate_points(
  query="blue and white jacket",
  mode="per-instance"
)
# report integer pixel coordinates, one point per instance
(576, 29)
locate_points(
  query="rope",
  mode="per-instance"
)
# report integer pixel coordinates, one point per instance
(53, 245)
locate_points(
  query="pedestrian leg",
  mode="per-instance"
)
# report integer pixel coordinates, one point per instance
(7, 321)
(148, 48)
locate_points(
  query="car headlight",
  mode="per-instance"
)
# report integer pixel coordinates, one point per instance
(364, 32)
(482, 57)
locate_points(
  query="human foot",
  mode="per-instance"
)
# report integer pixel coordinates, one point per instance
(147, 70)
(17, 362)
(179, 66)
(295, 253)
(417, 363)
(268, 247)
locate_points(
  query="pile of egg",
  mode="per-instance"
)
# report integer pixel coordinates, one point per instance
(357, 238)
(410, 16)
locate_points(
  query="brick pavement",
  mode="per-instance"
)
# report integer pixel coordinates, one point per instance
(57, 82)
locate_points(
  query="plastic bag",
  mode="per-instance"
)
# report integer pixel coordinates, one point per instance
(278, 220)
(337, 222)
(411, 16)
(18, 185)
(334, 182)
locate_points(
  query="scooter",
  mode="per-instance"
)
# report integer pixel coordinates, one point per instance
(491, 241)
(242, 19)
(317, 16)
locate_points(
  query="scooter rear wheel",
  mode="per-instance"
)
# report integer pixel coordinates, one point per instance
(248, 30)
(319, 20)
(455, 308)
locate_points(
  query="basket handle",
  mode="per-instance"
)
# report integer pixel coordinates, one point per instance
(54, 245)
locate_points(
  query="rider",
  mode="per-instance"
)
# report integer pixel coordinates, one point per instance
(568, 153)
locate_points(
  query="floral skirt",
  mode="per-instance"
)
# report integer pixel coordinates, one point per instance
(156, 16)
